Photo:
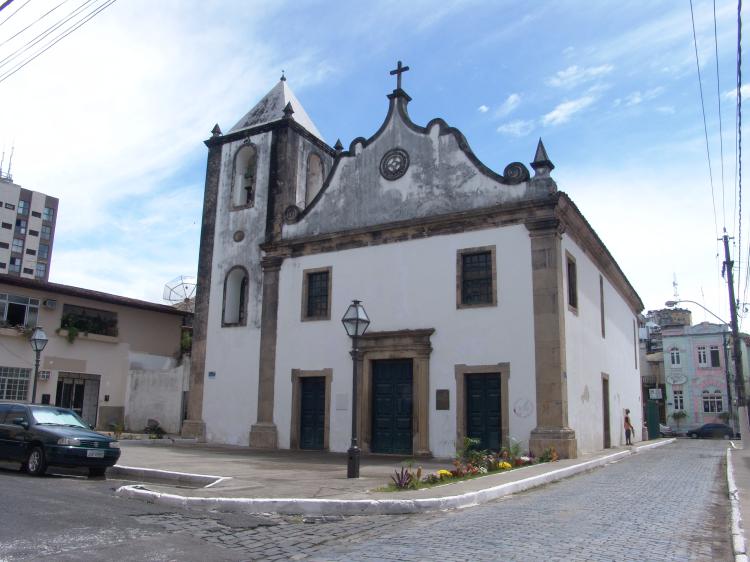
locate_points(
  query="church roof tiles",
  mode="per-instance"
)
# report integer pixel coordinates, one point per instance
(271, 108)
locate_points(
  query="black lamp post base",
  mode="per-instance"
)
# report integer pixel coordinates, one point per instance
(352, 464)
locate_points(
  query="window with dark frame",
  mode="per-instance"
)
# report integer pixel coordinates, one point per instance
(36, 214)
(715, 359)
(572, 283)
(317, 294)
(43, 251)
(49, 214)
(476, 278)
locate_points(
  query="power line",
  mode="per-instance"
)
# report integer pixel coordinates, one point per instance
(70, 30)
(721, 134)
(14, 13)
(5, 4)
(40, 18)
(44, 34)
(703, 109)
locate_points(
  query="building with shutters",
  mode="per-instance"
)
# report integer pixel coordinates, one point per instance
(497, 312)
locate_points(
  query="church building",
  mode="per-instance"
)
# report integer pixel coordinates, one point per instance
(496, 311)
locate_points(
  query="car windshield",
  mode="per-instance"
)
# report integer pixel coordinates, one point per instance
(49, 416)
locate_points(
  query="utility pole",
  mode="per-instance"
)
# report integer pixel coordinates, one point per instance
(739, 383)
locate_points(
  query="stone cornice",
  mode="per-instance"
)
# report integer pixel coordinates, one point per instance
(412, 229)
(266, 127)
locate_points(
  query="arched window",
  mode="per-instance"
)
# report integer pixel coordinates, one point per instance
(712, 401)
(245, 172)
(314, 179)
(235, 297)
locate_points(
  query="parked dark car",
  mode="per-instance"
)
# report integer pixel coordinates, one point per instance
(712, 430)
(40, 436)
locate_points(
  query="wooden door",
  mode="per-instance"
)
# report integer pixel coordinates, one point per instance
(312, 412)
(483, 413)
(392, 406)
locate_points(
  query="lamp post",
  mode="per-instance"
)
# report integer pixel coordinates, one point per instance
(38, 341)
(355, 322)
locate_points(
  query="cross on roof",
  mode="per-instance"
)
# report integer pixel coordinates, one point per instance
(398, 71)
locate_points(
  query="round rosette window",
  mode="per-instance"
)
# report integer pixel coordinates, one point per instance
(394, 164)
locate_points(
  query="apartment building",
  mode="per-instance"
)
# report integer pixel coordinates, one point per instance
(27, 230)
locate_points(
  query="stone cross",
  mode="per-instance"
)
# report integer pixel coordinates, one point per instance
(398, 71)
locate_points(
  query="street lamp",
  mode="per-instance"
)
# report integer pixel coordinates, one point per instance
(355, 322)
(38, 341)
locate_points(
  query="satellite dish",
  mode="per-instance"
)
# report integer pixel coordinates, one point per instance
(180, 292)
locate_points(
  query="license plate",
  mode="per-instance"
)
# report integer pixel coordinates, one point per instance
(91, 453)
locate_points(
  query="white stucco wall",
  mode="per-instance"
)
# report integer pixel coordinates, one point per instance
(412, 285)
(156, 393)
(230, 397)
(589, 356)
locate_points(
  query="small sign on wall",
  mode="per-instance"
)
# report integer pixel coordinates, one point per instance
(442, 399)
(654, 394)
(212, 374)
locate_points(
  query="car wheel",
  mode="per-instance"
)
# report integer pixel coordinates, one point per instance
(727, 436)
(36, 464)
(96, 471)
(693, 435)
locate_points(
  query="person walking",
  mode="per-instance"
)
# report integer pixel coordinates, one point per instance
(629, 430)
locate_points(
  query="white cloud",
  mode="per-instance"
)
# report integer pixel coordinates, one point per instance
(637, 97)
(666, 109)
(732, 94)
(483, 108)
(518, 128)
(575, 75)
(508, 106)
(564, 111)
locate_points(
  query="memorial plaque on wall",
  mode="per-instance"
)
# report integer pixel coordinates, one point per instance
(442, 399)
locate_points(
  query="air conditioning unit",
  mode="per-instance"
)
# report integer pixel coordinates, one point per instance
(43, 375)
(50, 303)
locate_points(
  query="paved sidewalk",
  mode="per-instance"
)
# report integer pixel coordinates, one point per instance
(308, 482)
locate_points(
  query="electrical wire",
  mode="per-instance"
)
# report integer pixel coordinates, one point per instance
(5, 4)
(705, 126)
(44, 34)
(37, 20)
(67, 32)
(721, 134)
(14, 13)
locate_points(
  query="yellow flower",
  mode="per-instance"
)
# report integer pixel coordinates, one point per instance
(505, 465)
(444, 473)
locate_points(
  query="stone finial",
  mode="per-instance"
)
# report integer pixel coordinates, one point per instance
(338, 147)
(541, 164)
(216, 131)
(288, 111)
(283, 78)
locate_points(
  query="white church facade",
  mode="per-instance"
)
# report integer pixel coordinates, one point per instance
(496, 311)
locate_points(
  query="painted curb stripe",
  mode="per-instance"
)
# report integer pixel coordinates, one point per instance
(738, 536)
(302, 506)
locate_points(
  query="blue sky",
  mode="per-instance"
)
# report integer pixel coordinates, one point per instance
(111, 120)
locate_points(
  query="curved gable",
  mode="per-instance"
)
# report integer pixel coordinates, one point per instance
(403, 172)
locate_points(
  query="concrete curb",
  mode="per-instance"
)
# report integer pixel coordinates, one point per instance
(299, 506)
(180, 478)
(739, 546)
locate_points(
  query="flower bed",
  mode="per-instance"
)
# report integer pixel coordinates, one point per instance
(470, 462)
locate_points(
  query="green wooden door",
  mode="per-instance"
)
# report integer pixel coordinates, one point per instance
(483, 415)
(392, 406)
(312, 412)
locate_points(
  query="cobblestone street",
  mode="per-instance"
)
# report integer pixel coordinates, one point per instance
(666, 504)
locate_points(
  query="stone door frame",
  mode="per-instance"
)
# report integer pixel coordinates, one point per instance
(398, 344)
(294, 428)
(503, 369)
